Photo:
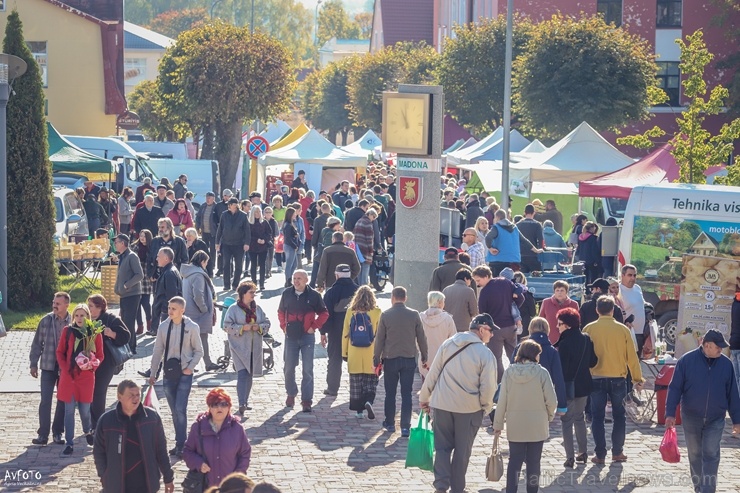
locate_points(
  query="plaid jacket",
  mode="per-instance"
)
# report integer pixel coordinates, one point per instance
(46, 340)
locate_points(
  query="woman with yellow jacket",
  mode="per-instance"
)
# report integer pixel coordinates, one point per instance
(359, 357)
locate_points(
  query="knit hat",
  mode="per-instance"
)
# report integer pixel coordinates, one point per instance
(507, 273)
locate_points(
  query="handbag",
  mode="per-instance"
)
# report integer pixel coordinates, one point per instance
(196, 481)
(669, 447)
(172, 369)
(570, 385)
(495, 463)
(119, 354)
(420, 452)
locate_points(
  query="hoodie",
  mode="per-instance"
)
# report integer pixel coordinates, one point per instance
(588, 249)
(552, 238)
(468, 381)
(527, 403)
(503, 236)
(550, 361)
(438, 327)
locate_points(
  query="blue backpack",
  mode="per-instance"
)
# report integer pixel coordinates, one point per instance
(361, 332)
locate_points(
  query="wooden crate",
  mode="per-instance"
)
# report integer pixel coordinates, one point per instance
(64, 253)
(108, 275)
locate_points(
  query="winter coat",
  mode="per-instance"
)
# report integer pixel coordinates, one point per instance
(461, 303)
(110, 456)
(75, 382)
(495, 299)
(181, 220)
(129, 275)
(167, 286)
(336, 300)
(246, 346)
(577, 356)
(332, 256)
(260, 230)
(444, 275)
(359, 359)
(527, 403)
(549, 309)
(198, 291)
(233, 229)
(178, 246)
(550, 361)
(468, 382)
(195, 247)
(309, 308)
(588, 249)
(553, 238)
(438, 327)
(351, 217)
(147, 219)
(473, 212)
(225, 451)
(123, 335)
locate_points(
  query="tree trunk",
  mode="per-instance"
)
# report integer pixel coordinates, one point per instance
(331, 136)
(345, 133)
(207, 150)
(228, 146)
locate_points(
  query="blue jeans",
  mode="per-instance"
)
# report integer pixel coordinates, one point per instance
(702, 443)
(177, 393)
(735, 358)
(69, 419)
(616, 390)
(396, 369)
(303, 348)
(364, 274)
(291, 262)
(243, 386)
(48, 380)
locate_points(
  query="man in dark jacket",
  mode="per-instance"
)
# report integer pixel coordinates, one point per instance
(355, 214)
(181, 187)
(332, 257)
(130, 448)
(142, 189)
(341, 196)
(232, 240)
(532, 230)
(168, 285)
(337, 299)
(473, 211)
(128, 285)
(300, 181)
(444, 275)
(221, 207)
(147, 217)
(206, 222)
(302, 307)
(166, 238)
(588, 309)
(705, 385)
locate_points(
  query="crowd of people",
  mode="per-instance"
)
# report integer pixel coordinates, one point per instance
(566, 360)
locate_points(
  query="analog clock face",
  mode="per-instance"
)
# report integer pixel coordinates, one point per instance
(405, 124)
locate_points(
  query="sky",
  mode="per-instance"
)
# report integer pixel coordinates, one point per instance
(352, 6)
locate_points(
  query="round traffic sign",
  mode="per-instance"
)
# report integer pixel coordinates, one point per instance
(256, 146)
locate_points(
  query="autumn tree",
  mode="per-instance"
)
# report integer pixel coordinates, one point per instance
(334, 22)
(364, 21)
(146, 101)
(728, 20)
(173, 22)
(471, 70)
(576, 70)
(31, 272)
(220, 76)
(326, 102)
(694, 147)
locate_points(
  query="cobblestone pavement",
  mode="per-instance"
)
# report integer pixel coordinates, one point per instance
(326, 451)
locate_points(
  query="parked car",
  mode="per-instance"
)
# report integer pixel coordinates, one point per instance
(70, 215)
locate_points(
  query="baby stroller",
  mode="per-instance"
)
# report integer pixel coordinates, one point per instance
(268, 342)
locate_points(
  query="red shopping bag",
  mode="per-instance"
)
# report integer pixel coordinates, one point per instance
(669, 446)
(279, 244)
(151, 399)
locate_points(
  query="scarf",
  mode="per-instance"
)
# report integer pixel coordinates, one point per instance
(249, 310)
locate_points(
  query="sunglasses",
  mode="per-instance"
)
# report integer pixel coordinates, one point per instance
(223, 404)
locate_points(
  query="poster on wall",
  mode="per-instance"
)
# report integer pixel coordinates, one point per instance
(707, 290)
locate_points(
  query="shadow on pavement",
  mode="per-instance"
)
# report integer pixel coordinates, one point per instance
(39, 465)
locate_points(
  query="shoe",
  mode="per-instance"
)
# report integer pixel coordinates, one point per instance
(58, 440)
(596, 460)
(90, 438)
(306, 405)
(40, 440)
(290, 401)
(588, 418)
(151, 333)
(582, 458)
(389, 428)
(212, 367)
(242, 410)
(218, 274)
(139, 329)
(262, 287)
(404, 432)
(149, 326)
(619, 458)
(176, 451)
(570, 463)
(145, 374)
(369, 409)
(359, 415)
(329, 392)
(68, 450)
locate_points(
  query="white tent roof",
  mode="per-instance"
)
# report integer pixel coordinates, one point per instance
(275, 131)
(491, 151)
(313, 148)
(519, 183)
(454, 156)
(535, 147)
(364, 145)
(581, 155)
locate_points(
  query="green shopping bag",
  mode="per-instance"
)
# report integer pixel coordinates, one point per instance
(420, 452)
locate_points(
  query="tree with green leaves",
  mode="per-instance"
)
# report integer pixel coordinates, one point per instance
(576, 70)
(404, 63)
(694, 147)
(173, 22)
(326, 101)
(146, 101)
(334, 22)
(218, 76)
(471, 71)
(364, 21)
(32, 278)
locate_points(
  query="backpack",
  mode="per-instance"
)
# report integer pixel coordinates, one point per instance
(361, 332)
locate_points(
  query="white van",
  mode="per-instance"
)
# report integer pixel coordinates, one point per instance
(175, 150)
(663, 222)
(203, 175)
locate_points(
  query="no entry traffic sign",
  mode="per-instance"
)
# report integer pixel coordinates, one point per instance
(256, 146)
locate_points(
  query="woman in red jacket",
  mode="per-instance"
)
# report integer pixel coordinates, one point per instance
(77, 373)
(181, 217)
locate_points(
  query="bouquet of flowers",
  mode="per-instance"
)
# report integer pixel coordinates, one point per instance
(87, 360)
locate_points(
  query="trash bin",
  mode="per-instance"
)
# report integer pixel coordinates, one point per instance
(661, 392)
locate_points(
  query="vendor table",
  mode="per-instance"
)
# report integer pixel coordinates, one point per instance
(80, 270)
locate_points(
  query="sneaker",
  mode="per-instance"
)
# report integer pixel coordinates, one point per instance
(290, 401)
(329, 392)
(58, 440)
(212, 367)
(359, 415)
(90, 438)
(370, 412)
(145, 374)
(389, 428)
(404, 432)
(40, 440)
(619, 458)
(68, 450)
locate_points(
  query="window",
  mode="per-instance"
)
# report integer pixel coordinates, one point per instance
(669, 79)
(669, 13)
(38, 50)
(611, 10)
(2, 5)
(134, 70)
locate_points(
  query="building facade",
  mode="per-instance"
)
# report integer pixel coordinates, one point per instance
(337, 49)
(143, 49)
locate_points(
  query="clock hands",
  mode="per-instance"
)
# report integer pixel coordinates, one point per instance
(405, 118)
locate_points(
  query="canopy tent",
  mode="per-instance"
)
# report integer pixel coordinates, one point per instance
(583, 154)
(491, 151)
(488, 178)
(257, 173)
(535, 147)
(275, 131)
(65, 156)
(364, 145)
(454, 156)
(455, 146)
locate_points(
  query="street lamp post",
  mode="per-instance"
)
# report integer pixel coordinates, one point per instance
(10, 68)
(316, 20)
(507, 105)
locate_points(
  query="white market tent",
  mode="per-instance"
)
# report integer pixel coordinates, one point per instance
(275, 131)
(489, 174)
(455, 156)
(364, 145)
(535, 147)
(491, 150)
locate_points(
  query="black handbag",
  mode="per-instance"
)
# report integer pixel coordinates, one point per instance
(196, 481)
(172, 369)
(118, 354)
(570, 386)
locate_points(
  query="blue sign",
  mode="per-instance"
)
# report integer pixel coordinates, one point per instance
(256, 146)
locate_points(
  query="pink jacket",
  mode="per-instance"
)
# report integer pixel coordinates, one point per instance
(549, 310)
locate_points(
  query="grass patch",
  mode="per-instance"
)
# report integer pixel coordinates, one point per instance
(648, 256)
(30, 320)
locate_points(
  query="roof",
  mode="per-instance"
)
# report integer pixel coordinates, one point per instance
(78, 12)
(139, 38)
(65, 156)
(407, 20)
(312, 148)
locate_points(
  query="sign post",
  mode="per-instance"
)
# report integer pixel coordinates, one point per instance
(256, 146)
(127, 120)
